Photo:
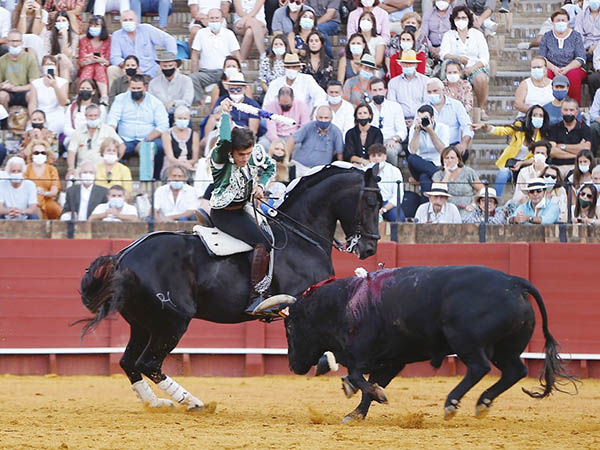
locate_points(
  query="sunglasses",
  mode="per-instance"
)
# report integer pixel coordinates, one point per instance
(551, 176)
(236, 90)
(40, 153)
(586, 195)
(536, 191)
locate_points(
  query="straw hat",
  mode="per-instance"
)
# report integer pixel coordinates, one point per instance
(236, 79)
(291, 59)
(536, 183)
(491, 194)
(438, 189)
(409, 56)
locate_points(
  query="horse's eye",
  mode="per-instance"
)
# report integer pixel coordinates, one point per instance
(371, 201)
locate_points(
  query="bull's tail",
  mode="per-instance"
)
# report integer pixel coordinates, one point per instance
(553, 367)
(97, 291)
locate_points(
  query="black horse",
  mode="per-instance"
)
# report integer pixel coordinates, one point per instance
(164, 280)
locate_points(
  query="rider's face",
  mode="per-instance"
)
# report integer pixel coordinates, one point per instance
(241, 157)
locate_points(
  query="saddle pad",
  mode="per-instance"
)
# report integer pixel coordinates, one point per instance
(219, 243)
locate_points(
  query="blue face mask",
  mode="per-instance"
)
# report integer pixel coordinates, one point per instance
(15, 51)
(95, 31)
(182, 123)
(177, 185)
(560, 95)
(129, 26)
(323, 125)
(537, 73)
(537, 122)
(365, 75)
(594, 5)
(561, 27)
(435, 99)
(409, 71)
(116, 202)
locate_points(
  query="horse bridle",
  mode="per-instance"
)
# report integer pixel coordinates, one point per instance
(352, 240)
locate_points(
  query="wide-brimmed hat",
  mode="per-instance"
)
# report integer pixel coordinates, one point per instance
(236, 79)
(438, 189)
(536, 183)
(491, 194)
(409, 56)
(165, 56)
(291, 59)
(368, 60)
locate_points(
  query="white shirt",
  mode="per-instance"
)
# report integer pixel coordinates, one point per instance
(475, 46)
(448, 214)
(304, 86)
(388, 185)
(165, 202)
(214, 48)
(84, 199)
(427, 150)
(127, 209)
(204, 6)
(393, 123)
(5, 22)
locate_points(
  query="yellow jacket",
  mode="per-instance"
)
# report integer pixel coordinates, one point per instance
(120, 174)
(513, 149)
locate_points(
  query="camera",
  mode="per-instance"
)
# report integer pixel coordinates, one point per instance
(425, 122)
(51, 71)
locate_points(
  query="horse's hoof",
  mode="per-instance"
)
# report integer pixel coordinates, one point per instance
(162, 403)
(482, 409)
(195, 407)
(450, 412)
(352, 417)
(348, 388)
(379, 394)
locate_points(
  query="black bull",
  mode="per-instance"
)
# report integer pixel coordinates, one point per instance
(377, 325)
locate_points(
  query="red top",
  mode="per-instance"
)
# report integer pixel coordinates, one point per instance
(87, 49)
(396, 68)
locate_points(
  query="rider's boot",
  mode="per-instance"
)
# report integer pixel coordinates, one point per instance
(258, 271)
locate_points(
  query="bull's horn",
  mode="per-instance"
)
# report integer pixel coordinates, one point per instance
(274, 302)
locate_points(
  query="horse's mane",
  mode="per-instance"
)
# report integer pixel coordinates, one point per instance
(300, 185)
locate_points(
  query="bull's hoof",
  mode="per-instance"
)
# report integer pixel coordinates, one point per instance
(379, 394)
(482, 409)
(348, 388)
(451, 410)
(353, 417)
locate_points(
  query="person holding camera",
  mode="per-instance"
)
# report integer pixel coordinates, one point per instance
(427, 139)
(52, 94)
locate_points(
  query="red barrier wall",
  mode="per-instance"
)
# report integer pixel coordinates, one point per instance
(39, 298)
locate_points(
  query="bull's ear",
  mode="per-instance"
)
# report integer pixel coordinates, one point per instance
(372, 174)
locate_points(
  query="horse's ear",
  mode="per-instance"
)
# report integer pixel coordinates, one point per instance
(372, 174)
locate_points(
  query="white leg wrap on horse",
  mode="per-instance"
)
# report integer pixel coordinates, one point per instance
(179, 394)
(146, 395)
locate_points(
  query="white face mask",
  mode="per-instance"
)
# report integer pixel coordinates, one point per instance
(453, 77)
(214, 26)
(291, 73)
(39, 159)
(442, 5)
(584, 168)
(334, 100)
(406, 45)
(561, 27)
(356, 49)
(307, 23)
(366, 25)
(539, 158)
(453, 168)
(116, 202)
(16, 177)
(279, 51)
(236, 97)
(62, 25)
(87, 178)
(294, 7)
(110, 158)
(368, 3)
(461, 24)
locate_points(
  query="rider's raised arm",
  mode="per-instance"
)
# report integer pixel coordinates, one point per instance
(220, 154)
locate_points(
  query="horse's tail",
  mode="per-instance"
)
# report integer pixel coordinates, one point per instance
(97, 291)
(553, 367)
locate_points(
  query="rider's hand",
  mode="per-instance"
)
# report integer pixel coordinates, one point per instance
(259, 192)
(226, 105)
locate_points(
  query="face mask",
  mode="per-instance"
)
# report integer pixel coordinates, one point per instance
(363, 122)
(560, 27)
(279, 51)
(94, 31)
(453, 168)
(168, 72)
(15, 50)
(95, 123)
(291, 74)
(409, 71)
(568, 118)
(62, 25)
(323, 125)
(559, 95)
(182, 124)
(294, 7)
(435, 99)
(584, 203)
(550, 182)
(410, 28)
(334, 100)
(130, 71)
(539, 158)
(537, 73)
(285, 108)
(137, 95)
(356, 49)
(583, 169)
(87, 178)
(237, 98)
(85, 95)
(39, 159)
(405, 45)
(110, 158)
(366, 25)
(214, 27)
(537, 122)
(461, 24)
(47, 68)
(37, 125)
(594, 5)
(368, 3)
(307, 23)
(16, 177)
(278, 158)
(365, 75)
(453, 77)
(176, 185)
(116, 202)
(378, 99)
(442, 5)
(129, 27)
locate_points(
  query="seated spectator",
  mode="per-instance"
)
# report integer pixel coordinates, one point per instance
(62, 42)
(138, 39)
(209, 49)
(496, 216)
(250, 23)
(349, 65)
(381, 19)
(316, 62)
(305, 87)
(563, 48)
(45, 177)
(482, 14)
(436, 22)
(581, 173)
(180, 142)
(555, 191)
(533, 128)
(328, 19)
(531, 168)
(560, 86)
(586, 24)
(536, 89)
(390, 183)
(463, 182)
(410, 88)
(139, 117)
(286, 105)
(131, 65)
(467, 45)
(361, 137)
(286, 16)
(411, 22)
(584, 210)
(396, 10)
(176, 200)
(437, 209)
(271, 66)
(52, 94)
(389, 118)
(171, 86)
(86, 140)
(356, 87)
(29, 17)
(427, 138)
(596, 176)
(110, 171)
(452, 113)
(537, 210)
(230, 66)
(406, 41)
(317, 143)
(17, 71)
(199, 11)
(83, 198)
(343, 111)
(75, 113)
(568, 137)
(18, 197)
(284, 169)
(456, 87)
(116, 209)
(304, 25)
(375, 43)
(72, 8)
(39, 131)
(94, 55)
(162, 7)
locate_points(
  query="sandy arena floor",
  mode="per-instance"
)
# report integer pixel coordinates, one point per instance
(287, 412)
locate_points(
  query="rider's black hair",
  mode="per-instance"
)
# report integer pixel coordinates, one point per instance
(241, 138)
